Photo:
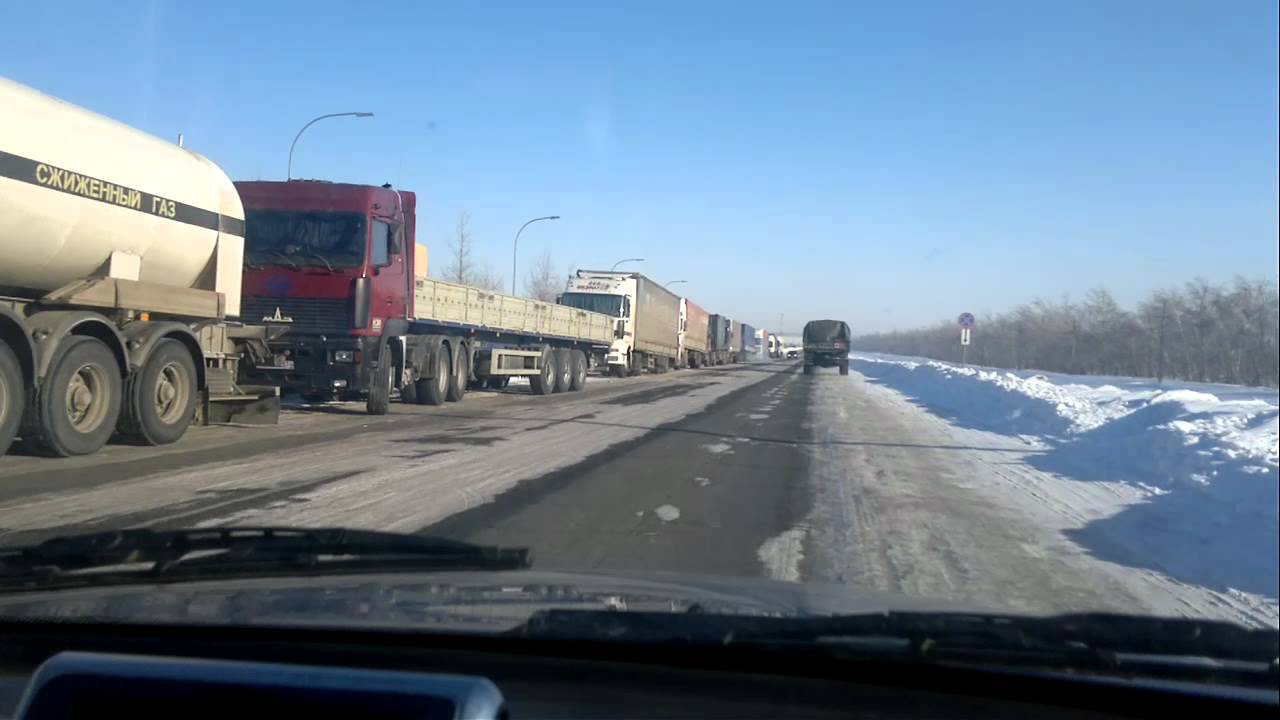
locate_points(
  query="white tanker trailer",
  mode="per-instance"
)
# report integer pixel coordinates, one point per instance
(120, 266)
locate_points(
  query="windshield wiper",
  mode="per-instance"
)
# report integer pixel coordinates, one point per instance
(284, 257)
(152, 555)
(1110, 643)
(320, 257)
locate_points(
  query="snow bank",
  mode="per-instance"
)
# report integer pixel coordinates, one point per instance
(1205, 455)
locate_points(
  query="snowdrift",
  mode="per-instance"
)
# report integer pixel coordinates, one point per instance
(1205, 455)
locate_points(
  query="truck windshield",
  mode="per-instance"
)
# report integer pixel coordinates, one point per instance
(274, 237)
(610, 305)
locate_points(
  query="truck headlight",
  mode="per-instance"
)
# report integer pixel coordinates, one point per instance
(344, 356)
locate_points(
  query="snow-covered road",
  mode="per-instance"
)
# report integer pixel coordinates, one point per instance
(908, 501)
(941, 483)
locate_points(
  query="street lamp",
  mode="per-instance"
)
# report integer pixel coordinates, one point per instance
(673, 282)
(289, 176)
(516, 244)
(615, 265)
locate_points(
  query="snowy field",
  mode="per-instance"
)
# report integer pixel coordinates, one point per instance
(1189, 469)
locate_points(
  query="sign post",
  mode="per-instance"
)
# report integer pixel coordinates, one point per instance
(967, 322)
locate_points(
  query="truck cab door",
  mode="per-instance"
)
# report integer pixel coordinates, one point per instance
(386, 258)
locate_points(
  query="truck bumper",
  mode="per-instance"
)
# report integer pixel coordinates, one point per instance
(318, 365)
(825, 357)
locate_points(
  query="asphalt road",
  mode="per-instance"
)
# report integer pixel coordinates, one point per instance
(749, 470)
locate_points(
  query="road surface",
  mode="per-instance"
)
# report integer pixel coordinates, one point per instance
(743, 470)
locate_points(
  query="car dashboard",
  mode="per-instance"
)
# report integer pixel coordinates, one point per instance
(68, 670)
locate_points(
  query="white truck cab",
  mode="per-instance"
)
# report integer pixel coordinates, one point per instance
(647, 318)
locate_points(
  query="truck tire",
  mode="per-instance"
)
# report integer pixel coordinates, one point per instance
(434, 390)
(637, 364)
(844, 367)
(544, 383)
(564, 370)
(808, 369)
(77, 407)
(12, 397)
(409, 393)
(160, 399)
(461, 371)
(379, 400)
(617, 371)
(497, 382)
(579, 367)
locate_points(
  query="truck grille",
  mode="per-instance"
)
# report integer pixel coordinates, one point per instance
(310, 316)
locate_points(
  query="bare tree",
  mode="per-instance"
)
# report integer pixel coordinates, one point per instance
(462, 269)
(1200, 331)
(542, 282)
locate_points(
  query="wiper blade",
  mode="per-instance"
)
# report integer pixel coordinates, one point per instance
(151, 555)
(1096, 641)
(292, 263)
(320, 257)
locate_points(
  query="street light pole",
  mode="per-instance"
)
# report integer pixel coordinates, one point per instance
(289, 175)
(673, 282)
(615, 265)
(516, 244)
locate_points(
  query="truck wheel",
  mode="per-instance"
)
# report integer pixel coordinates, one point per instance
(434, 390)
(12, 397)
(409, 393)
(579, 363)
(497, 382)
(160, 399)
(79, 403)
(617, 371)
(844, 367)
(637, 364)
(461, 371)
(564, 370)
(379, 400)
(544, 383)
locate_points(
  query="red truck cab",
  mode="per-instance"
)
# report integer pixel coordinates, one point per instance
(333, 263)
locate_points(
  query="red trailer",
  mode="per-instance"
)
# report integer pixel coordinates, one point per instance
(694, 322)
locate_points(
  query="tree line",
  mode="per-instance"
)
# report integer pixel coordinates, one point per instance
(541, 281)
(1200, 331)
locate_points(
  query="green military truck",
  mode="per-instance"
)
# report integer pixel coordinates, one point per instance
(826, 344)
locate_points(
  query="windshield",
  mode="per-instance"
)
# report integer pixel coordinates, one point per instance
(274, 237)
(610, 305)
(931, 305)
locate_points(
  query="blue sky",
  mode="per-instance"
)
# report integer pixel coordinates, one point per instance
(890, 164)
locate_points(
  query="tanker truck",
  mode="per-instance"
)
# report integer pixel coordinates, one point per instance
(120, 266)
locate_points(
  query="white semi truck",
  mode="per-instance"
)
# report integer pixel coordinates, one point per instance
(646, 332)
(120, 268)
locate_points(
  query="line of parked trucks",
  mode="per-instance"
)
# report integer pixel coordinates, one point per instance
(141, 290)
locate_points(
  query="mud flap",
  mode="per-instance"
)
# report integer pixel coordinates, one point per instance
(253, 405)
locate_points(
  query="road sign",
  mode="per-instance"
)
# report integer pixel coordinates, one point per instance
(964, 336)
(966, 320)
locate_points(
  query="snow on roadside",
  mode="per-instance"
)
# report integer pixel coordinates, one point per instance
(1204, 456)
(1208, 431)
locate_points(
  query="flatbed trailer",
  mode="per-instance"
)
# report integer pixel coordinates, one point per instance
(338, 266)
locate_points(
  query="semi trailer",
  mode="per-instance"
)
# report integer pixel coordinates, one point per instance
(694, 326)
(747, 343)
(120, 272)
(338, 266)
(645, 319)
(722, 340)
